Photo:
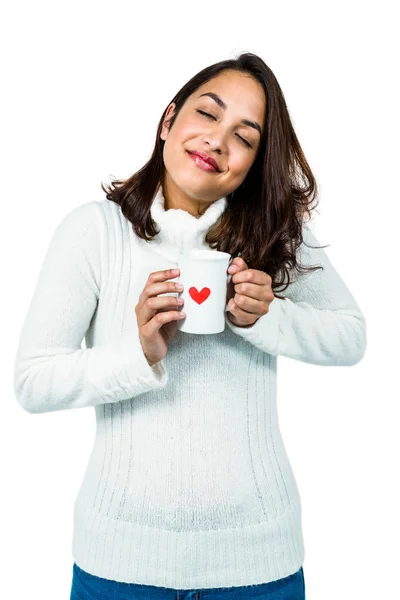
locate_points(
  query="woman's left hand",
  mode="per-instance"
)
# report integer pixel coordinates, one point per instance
(253, 294)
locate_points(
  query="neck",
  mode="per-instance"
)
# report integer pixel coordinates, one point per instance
(175, 198)
(179, 229)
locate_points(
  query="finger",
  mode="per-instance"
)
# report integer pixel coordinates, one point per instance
(252, 276)
(243, 317)
(154, 289)
(252, 290)
(156, 305)
(163, 303)
(257, 292)
(162, 276)
(239, 263)
(161, 318)
(249, 305)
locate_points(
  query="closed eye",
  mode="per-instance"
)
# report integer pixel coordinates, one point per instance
(211, 117)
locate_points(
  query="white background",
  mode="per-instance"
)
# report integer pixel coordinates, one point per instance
(84, 86)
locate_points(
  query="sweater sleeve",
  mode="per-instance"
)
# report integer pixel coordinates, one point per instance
(52, 372)
(318, 322)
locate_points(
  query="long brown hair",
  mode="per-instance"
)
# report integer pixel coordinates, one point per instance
(264, 215)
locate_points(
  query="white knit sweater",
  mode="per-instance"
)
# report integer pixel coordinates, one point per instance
(188, 484)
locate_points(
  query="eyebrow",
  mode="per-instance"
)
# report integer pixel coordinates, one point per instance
(222, 104)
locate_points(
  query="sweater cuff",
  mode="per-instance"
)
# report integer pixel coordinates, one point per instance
(128, 374)
(159, 371)
(264, 333)
(154, 376)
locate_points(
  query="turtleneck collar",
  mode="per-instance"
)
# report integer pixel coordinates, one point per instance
(179, 230)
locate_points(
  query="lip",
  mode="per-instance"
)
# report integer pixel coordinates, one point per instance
(205, 158)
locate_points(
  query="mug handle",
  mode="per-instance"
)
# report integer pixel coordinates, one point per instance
(228, 279)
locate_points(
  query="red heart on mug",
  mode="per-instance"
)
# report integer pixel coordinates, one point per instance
(197, 296)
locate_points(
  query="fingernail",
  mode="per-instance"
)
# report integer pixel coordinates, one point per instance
(233, 268)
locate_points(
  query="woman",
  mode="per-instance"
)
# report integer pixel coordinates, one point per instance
(188, 491)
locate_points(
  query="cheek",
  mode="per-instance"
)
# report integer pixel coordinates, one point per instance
(173, 147)
(176, 145)
(239, 166)
(182, 135)
(187, 126)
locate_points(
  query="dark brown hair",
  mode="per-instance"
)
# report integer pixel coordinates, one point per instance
(264, 215)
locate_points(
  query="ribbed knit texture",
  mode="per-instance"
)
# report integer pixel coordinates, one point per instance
(188, 484)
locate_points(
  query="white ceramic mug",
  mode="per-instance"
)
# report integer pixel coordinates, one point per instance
(203, 273)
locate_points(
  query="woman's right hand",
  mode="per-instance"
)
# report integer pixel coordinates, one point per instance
(157, 317)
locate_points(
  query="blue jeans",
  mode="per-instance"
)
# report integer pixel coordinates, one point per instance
(89, 587)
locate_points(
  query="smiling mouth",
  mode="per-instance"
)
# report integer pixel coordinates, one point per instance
(202, 164)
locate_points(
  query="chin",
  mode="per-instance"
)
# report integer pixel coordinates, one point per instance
(196, 190)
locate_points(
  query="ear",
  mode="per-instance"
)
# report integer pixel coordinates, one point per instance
(168, 116)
